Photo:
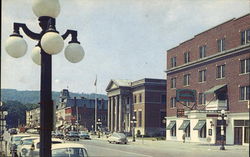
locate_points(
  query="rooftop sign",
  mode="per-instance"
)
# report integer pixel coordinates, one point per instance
(186, 95)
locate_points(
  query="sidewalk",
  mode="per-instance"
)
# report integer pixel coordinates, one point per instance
(163, 144)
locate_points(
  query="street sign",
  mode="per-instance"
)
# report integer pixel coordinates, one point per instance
(187, 95)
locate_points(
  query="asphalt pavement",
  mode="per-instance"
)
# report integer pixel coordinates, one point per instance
(99, 147)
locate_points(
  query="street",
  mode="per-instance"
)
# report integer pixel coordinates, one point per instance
(99, 147)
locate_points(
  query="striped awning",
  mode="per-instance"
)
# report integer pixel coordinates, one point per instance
(200, 125)
(215, 89)
(171, 125)
(184, 124)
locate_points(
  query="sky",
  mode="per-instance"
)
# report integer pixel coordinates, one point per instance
(122, 39)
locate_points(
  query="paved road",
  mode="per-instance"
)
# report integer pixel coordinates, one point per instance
(101, 148)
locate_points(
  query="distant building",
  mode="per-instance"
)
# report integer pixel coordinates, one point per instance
(145, 99)
(33, 118)
(70, 108)
(216, 64)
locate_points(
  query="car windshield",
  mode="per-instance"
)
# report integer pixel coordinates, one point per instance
(73, 133)
(121, 135)
(17, 138)
(26, 142)
(69, 152)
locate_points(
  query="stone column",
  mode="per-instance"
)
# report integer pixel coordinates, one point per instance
(116, 112)
(112, 114)
(109, 105)
(120, 114)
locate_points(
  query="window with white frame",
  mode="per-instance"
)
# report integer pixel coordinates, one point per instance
(221, 45)
(187, 131)
(245, 93)
(202, 76)
(173, 82)
(173, 102)
(186, 57)
(203, 132)
(173, 62)
(140, 97)
(220, 72)
(134, 98)
(173, 131)
(245, 37)
(202, 98)
(139, 118)
(245, 66)
(202, 50)
(186, 79)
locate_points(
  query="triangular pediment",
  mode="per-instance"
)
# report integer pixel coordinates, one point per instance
(111, 85)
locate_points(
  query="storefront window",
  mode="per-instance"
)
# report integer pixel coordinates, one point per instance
(247, 135)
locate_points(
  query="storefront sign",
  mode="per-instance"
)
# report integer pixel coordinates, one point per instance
(186, 95)
(210, 132)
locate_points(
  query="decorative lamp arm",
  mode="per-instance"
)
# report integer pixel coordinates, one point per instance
(73, 36)
(26, 30)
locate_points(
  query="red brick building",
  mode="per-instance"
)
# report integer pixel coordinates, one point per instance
(216, 64)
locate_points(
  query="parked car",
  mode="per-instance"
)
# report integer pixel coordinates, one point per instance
(24, 142)
(15, 141)
(84, 135)
(69, 150)
(12, 131)
(33, 149)
(32, 131)
(118, 138)
(59, 135)
(72, 135)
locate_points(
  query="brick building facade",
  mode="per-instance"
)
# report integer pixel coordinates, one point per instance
(83, 109)
(145, 99)
(216, 64)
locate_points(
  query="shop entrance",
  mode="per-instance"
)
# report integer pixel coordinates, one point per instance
(238, 135)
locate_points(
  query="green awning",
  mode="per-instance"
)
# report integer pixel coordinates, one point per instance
(171, 125)
(184, 124)
(215, 89)
(200, 125)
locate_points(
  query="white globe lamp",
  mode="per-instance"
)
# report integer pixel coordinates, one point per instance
(16, 46)
(74, 52)
(52, 42)
(36, 55)
(49, 8)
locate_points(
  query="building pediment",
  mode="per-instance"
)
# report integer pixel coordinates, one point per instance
(114, 84)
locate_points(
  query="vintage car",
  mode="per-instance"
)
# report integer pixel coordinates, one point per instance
(118, 138)
(72, 135)
(33, 149)
(84, 135)
(24, 142)
(15, 141)
(69, 150)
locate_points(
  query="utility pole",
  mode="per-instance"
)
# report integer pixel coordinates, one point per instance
(95, 103)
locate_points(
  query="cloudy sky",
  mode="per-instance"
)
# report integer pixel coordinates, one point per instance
(122, 39)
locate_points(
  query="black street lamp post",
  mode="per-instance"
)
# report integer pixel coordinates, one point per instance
(133, 125)
(99, 123)
(50, 42)
(222, 129)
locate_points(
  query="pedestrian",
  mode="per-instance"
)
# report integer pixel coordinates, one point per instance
(183, 137)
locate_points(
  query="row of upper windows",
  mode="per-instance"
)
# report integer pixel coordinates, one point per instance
(244, 94)
(163, 98)
(245, 38)
(220, 73)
